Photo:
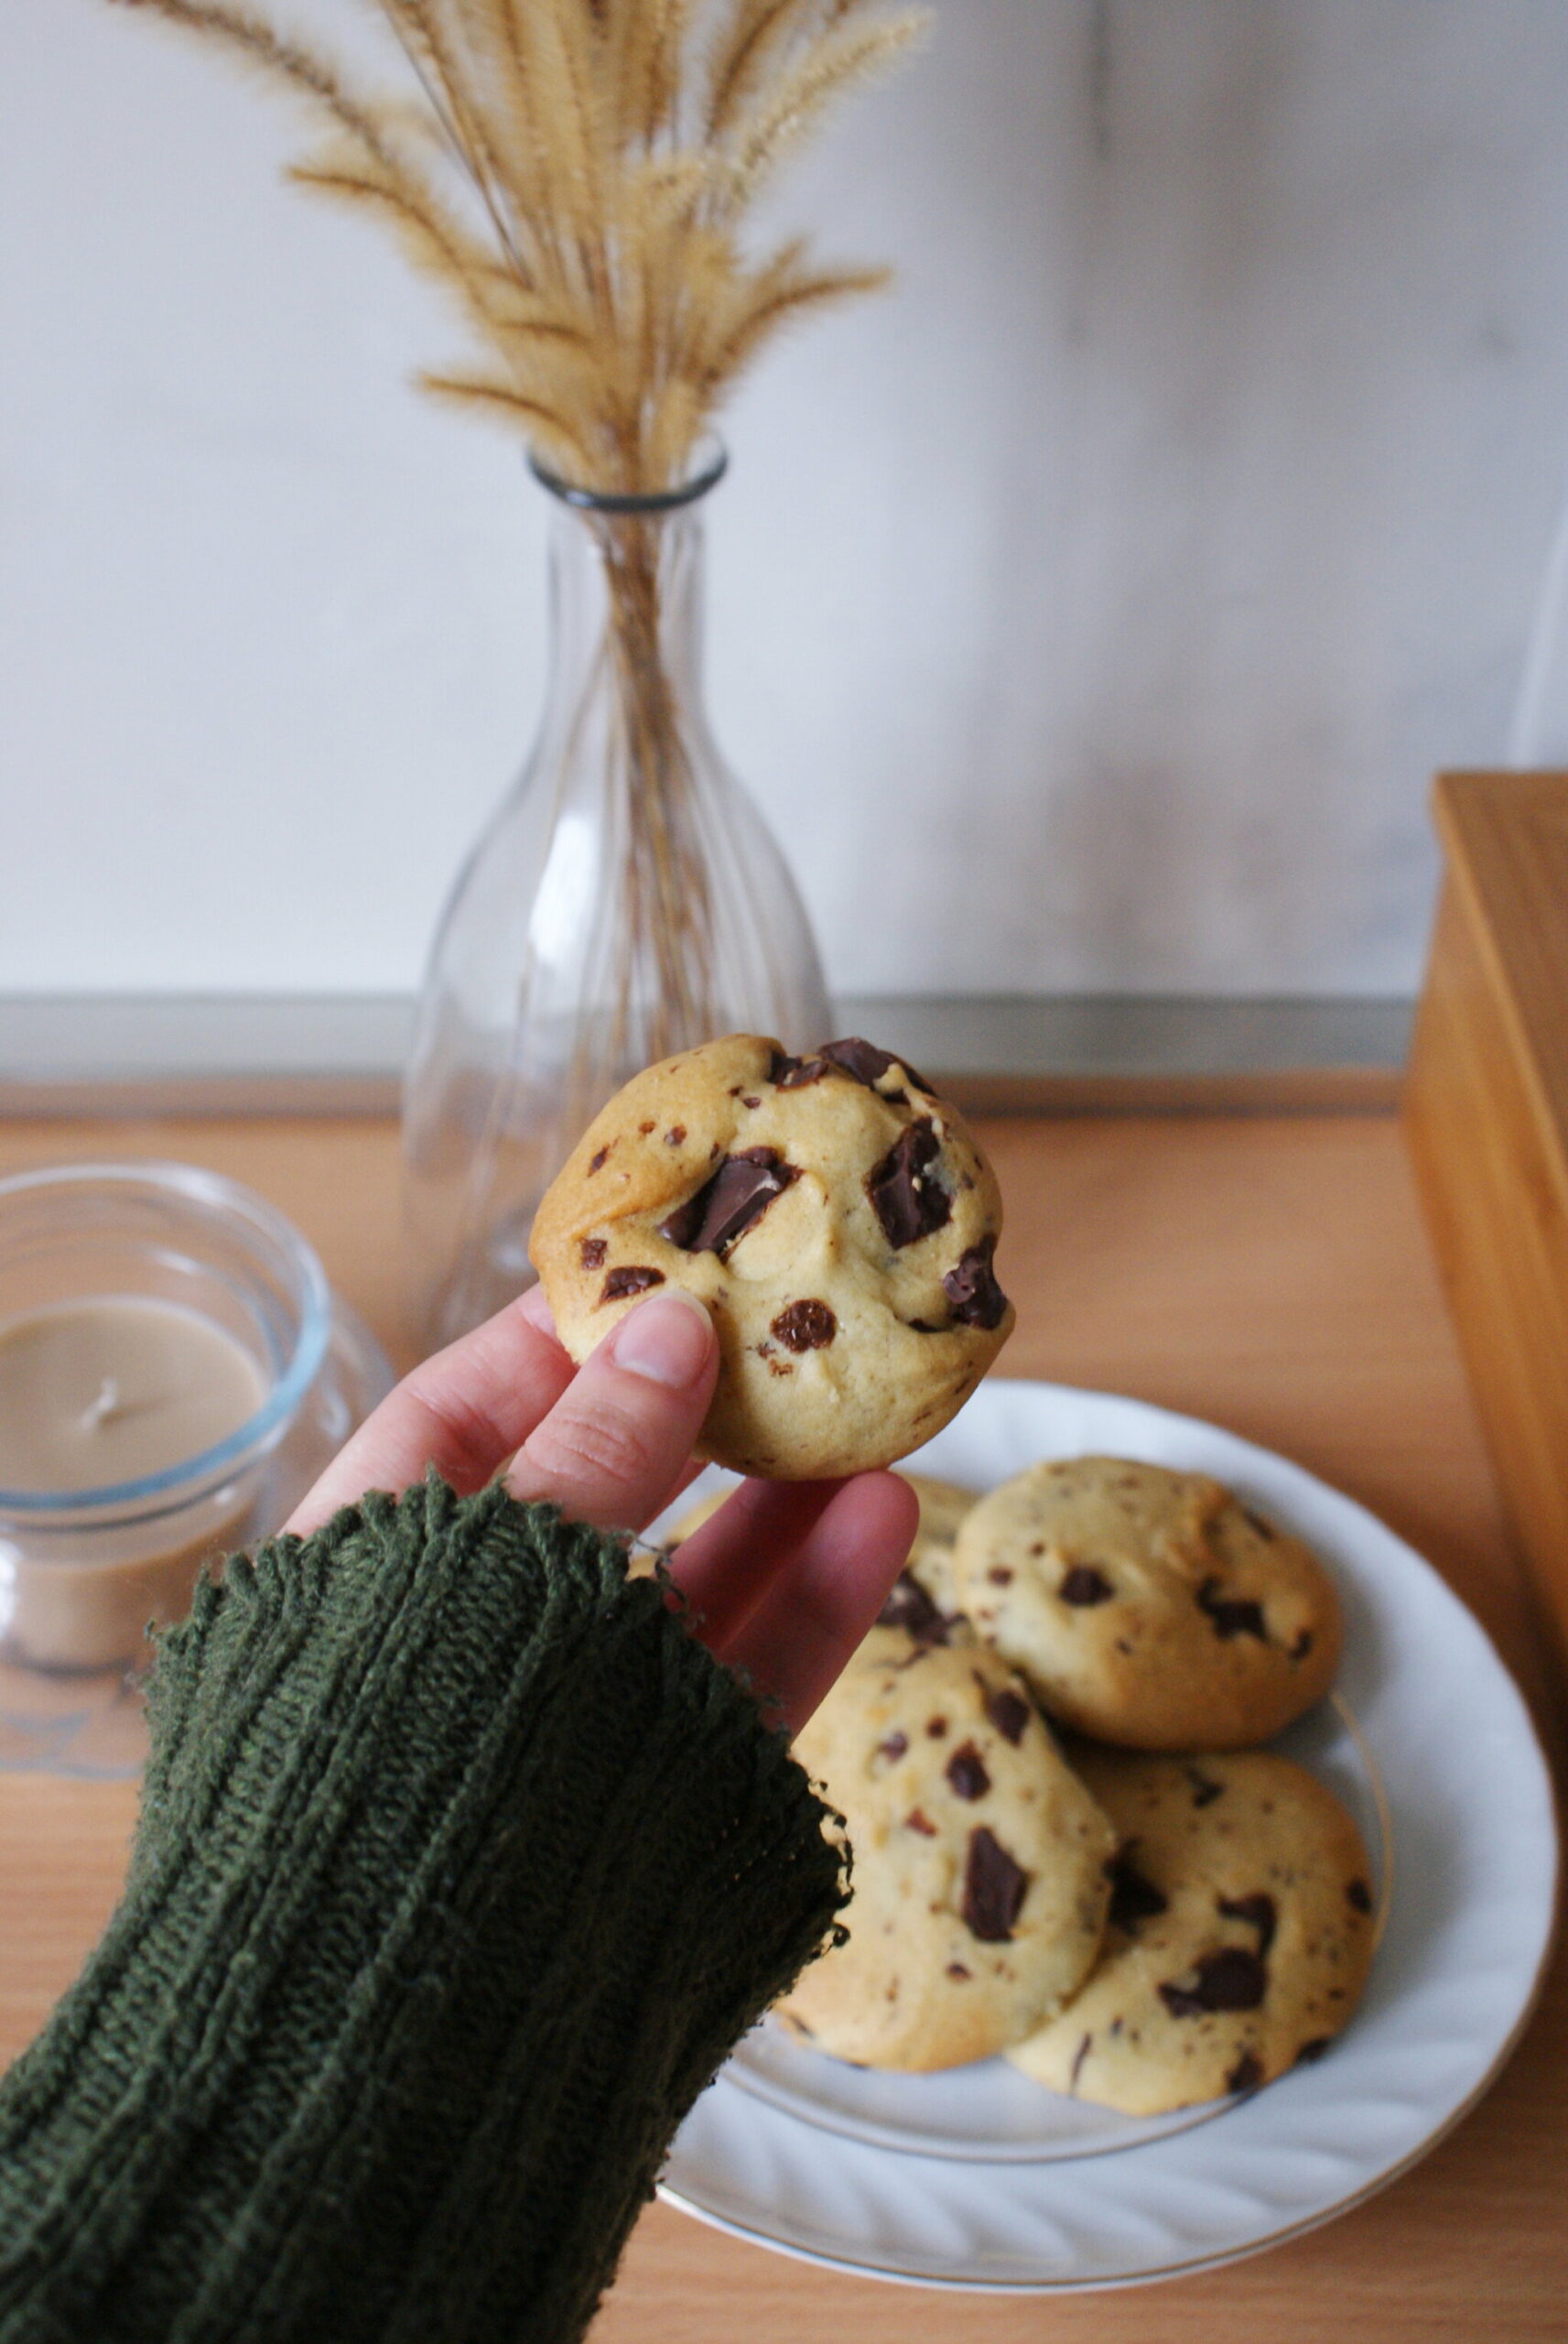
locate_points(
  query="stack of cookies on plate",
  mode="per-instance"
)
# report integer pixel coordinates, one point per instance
(1149, 1912)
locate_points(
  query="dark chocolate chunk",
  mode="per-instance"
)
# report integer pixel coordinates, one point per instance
(1000, 1576)
(966, 1771)
(749, 1102)
(1231, 1980)
(806, 1326)
(596, 1161)
(910, 1607)
(793, 1074)
(1259, 1912)
(1079, 2055)
(739, 1193)
(1231, 1616)
(1314, 2049)
(1085, 1585)
(972, 1290)
(1360, 1895)
(868, 1062)
(917, 1821)
(956, 1970)
(676, 1136)
(620, 1283)
(1264, 1529)
(909, 1201)
(936, 1728)
(1247, 2074)
(1204, 1790)
(894, 1747)
(862, 1059)
(923, 1326)
(994, 1889)
(592, 1252)
(1008, 1711)
(1133, 1898)
(870, 1066)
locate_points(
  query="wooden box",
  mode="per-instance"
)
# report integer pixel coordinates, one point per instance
(1487, 1113)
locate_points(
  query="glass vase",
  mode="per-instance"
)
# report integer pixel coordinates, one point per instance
(626, 901)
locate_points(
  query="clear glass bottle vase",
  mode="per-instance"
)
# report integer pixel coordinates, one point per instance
(626, 901)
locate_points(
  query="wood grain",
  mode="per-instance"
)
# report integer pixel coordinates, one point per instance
(1268, 1273)
(1486, 1111)
(1505, 839)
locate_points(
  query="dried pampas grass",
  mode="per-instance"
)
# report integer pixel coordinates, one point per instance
(577, 173)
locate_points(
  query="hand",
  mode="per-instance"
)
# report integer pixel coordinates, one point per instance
(783, 1582)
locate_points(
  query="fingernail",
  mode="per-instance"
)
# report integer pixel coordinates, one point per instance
(667, 1340)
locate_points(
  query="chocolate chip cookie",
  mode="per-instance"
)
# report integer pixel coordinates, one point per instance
(923, 1601)
(1240, 1933)
(980, 1882)
(833, 1214)
(1148, 1607)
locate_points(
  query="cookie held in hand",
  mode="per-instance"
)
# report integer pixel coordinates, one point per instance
(834, 1216)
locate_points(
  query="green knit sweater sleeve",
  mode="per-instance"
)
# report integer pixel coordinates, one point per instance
(460, 1866)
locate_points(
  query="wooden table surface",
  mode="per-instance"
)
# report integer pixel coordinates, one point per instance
(1269, 1273)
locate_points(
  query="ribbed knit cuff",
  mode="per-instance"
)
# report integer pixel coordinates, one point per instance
(460, 1866)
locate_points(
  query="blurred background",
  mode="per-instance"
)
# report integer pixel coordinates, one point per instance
(1087, 616)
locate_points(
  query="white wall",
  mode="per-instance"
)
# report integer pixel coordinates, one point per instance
(1089, 614)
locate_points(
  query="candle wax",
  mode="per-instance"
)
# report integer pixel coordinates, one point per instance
(114, 1387)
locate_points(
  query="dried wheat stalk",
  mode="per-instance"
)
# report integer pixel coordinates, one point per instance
(578, 174)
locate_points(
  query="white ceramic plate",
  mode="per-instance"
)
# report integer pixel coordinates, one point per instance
(977, 2178)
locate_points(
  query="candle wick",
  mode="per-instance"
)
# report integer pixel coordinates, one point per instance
(106, 1405)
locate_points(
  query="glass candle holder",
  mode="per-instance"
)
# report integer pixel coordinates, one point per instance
(87, 1564)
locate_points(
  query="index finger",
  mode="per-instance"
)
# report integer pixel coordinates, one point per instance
(464, 1410)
